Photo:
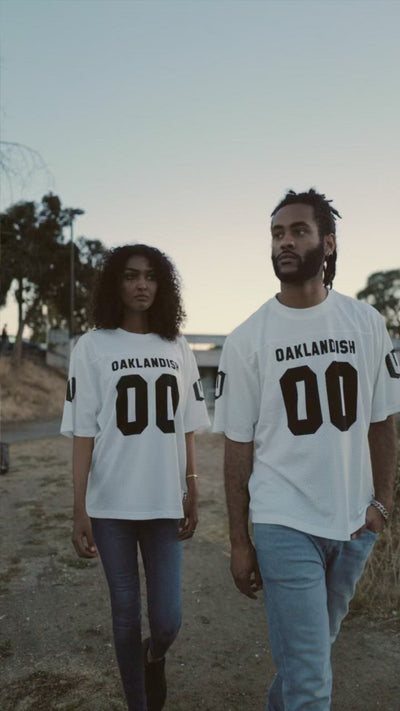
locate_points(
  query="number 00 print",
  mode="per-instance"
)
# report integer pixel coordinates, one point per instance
(302, 401)
(165, 383)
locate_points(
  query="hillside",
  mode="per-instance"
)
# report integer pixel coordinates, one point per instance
(32, 392)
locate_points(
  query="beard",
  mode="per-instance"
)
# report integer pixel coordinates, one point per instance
(308, 266)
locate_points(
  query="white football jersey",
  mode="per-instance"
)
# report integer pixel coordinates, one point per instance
(304, 385)
(137, 395)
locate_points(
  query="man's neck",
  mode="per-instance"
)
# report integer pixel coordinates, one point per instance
(302, 296)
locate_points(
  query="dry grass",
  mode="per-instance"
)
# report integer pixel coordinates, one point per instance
(31, 392)
(378, 591)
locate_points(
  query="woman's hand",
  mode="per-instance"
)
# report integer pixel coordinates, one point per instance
(82, 536)
(188, 524)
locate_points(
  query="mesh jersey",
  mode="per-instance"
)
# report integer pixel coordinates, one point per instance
(305, 384)
(137, 395)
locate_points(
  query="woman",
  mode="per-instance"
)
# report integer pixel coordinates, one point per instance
(134, 399)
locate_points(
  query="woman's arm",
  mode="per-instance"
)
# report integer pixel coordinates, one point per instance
(189, 522)
(82, 537)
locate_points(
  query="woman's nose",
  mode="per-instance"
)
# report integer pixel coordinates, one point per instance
(142, 283)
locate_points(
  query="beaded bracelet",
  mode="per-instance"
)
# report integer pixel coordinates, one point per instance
(382, 510)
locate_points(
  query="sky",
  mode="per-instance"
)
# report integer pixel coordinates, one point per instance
(182, 123)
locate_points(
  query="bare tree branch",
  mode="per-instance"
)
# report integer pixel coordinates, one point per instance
(19, 164)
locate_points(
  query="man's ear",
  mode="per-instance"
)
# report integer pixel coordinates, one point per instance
(330, 244)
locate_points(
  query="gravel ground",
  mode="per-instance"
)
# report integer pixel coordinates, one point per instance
(55, 636)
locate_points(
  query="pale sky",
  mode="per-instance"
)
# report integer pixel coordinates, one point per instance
(181, 124)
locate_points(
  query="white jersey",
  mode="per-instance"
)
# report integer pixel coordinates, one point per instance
(304, 385)
(137, 395)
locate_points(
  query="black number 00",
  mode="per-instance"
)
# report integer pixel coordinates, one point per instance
(136, 383)
(341, 387)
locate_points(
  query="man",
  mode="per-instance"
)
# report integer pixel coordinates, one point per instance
(306, 393)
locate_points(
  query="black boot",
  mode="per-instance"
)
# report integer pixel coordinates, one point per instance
(155, 681)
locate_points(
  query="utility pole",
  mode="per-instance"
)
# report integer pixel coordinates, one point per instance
(72, 213)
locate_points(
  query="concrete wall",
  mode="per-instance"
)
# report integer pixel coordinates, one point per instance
(58, 349)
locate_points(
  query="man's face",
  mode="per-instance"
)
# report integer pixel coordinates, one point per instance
(298, 252)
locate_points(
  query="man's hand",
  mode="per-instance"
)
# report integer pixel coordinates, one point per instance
(374, 521)
(245, 570)
(82, 537)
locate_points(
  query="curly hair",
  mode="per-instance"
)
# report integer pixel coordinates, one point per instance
(166, 313)
(325, 216)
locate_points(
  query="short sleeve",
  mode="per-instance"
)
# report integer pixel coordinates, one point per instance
(386, 394)
(82, 401)
(237, 397)
(195, 414)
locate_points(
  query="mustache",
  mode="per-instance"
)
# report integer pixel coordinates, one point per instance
(283, 255)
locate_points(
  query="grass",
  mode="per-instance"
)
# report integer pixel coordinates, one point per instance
(48, 690)
(41, 688)
(33, 391)
(378, 591)
(12, 572)
(7, 576)
(6, 649)
(78, 563)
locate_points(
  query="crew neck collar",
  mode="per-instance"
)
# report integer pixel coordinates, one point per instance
(298, 308)
(134, 333)
(303, 313)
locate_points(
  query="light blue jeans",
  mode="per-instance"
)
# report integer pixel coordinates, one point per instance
(308, 584)
(118, 542)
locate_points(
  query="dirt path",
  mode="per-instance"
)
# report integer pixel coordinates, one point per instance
(31, 429)
(55, 638)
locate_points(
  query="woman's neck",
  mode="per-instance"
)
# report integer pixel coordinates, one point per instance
(135, 323)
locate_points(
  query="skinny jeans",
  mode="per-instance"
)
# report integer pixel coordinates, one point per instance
(308, 583)
(118, 542)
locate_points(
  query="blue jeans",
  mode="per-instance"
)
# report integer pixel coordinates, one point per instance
(117, 542)
(308, 584)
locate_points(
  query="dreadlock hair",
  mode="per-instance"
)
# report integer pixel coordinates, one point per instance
(325, 216)
(165, 315)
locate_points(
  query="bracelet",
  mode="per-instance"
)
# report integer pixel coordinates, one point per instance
(192, 476)
(382, 510)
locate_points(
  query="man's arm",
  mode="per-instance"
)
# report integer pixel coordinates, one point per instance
(237, 469)
(382, 437)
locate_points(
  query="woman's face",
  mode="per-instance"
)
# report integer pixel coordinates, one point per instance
(138, 285)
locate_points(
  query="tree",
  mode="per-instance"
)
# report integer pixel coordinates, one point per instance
(37, 256)
(87, 257)
(383, 292)
(19, 165)
(19, 258)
